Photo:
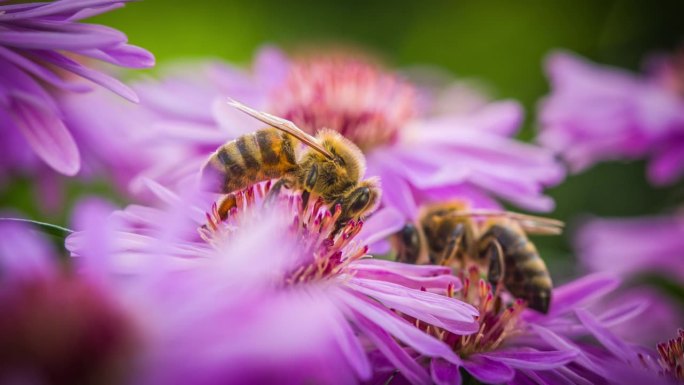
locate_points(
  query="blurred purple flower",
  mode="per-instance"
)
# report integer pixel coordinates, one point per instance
(615, 361)
(262, 298)
(43, 48)
(597, 113)
(632, 246)
(56, 327)
(421, 151)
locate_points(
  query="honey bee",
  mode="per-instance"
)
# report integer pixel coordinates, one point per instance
(452, 234)
(331, 167)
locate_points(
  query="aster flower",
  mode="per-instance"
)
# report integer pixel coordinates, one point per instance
(514, 345)
(56, 327)
(613, 361)
(634, 248)
(271, 293)
(596, 113)
(43, 48)
(421, 155)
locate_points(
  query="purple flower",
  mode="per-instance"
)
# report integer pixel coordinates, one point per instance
(43, 48)
(514, 345)
(610, 360)
(599, 113)
(414, 146)
(632, 246)
(269, 295)
(56, 326)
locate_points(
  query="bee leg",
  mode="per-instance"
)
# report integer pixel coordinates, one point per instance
(309, 183)
(453, 245)
(492, 253)
(225, 205)
(274, 192)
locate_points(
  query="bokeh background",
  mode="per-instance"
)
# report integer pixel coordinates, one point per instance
(502, 43)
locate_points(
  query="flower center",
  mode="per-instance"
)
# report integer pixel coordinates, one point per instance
(497, 322)
(322, 250)
(672, 356)
(348, 95)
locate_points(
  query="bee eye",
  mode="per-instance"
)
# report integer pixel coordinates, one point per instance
(359, 199)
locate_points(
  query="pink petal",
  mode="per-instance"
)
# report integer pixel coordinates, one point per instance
(399, 328)
(384, 342)
(380, 225)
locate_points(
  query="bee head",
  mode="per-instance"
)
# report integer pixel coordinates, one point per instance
(348, 162)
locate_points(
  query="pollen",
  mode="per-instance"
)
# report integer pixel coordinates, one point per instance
(349, 95)
(671, 356)
(325, 248)
(497, 321)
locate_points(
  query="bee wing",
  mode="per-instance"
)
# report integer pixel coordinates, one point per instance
(283, 125)
(532, 224)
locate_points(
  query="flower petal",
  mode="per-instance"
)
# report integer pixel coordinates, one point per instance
(47, 135)
(407, 366)
(444, 373)
(97, 77)
(488, 371)
(532, 359)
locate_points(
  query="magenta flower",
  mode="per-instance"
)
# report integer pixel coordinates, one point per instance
(414, 146)
(599, 113)
(43, 48)
(56, 327)
(271, 294)
(633, 246)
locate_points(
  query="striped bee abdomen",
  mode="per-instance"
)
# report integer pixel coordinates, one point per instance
(253, 158)
(525, 275)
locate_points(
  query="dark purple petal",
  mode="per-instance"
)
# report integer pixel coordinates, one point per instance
(533, 359)
(610, 341)
(47, 135)
(561, 343)
(55, 7)
(444, 373)
(488, 371)
(94, 11)
(56, 40)
(106, 81)
(124, 55)
(40, 72)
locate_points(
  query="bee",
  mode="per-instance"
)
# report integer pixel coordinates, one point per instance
(453, 234)
(329, 168)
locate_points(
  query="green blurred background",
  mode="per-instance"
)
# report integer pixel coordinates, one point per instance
(501, 42)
